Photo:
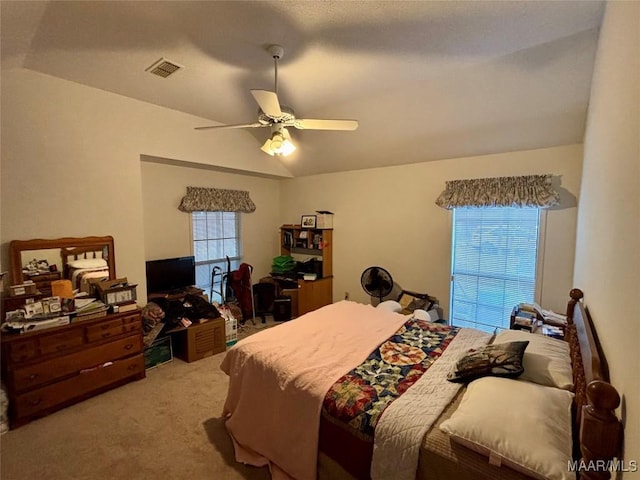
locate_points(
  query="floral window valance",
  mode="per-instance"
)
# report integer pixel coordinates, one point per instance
(524, 191)
(199, 199)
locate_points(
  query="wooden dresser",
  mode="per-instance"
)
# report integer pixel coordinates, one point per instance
(49, 369)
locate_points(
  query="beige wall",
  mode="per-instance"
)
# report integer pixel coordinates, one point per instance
(387, 217)
(71, 162)
(167, 230)
(608, 246)
(71, 167)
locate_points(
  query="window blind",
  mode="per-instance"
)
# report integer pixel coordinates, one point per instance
(216, 235)
(494, 258)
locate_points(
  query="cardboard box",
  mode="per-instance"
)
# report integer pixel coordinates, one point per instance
(26, 288)
(324, 219)
(115, 292)
(199, 340)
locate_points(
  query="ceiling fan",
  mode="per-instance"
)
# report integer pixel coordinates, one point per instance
(278, 117)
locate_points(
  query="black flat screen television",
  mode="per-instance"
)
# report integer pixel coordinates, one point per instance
(170, 274)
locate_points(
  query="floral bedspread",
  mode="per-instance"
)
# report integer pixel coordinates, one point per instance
(358, 398)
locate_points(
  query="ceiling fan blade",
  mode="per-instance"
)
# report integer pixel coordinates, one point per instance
(313, 124)
(240, 125)
(268, 102)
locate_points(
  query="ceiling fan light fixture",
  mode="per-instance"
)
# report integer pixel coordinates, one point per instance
(266, 147)
(279, 144)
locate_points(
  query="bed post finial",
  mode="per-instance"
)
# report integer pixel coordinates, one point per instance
(576, 295)
(600, 429)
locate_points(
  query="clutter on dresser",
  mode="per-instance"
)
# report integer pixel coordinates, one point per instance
(26, 288)
(116, 292)
(37, 312)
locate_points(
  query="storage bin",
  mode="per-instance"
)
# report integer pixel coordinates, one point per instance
(282, 309)
(324, 219)
(158, 353)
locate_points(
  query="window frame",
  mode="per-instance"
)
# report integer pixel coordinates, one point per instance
(539, 267)
(235, 260)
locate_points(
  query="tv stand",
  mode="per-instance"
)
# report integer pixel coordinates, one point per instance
(176, 294)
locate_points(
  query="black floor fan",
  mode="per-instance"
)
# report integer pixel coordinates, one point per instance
(377, 282)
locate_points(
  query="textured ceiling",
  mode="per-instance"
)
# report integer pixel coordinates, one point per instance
(426, 80)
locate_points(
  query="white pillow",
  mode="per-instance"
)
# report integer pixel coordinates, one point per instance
(546, 361)
(519, 424)
(390, 305)
(88, 263)
(429, 316)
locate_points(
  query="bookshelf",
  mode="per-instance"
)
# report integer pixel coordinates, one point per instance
(299, 242)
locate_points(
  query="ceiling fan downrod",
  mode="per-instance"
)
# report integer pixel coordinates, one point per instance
(276, 52)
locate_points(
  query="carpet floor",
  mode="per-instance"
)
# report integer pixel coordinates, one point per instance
(166, 426)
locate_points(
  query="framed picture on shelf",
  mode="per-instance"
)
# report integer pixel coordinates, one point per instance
(308, 221)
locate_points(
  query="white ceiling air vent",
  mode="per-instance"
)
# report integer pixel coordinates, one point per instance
(163, 68)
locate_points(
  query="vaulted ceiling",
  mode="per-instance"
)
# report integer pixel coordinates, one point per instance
(426, 80)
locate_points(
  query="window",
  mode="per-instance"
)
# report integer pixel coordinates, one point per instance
(493, 265)
(216, 235)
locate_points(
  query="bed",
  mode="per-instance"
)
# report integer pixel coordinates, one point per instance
(352, 391)
(83, 264)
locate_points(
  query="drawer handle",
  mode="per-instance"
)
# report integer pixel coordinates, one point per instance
(33, 376)
(132, 367)
(106, 334)
(35, 401)
(128, 346)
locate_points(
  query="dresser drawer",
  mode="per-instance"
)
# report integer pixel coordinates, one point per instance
(46, 399)
(60, 342)
(132, 323)
(35, 375)
(106, 329)
(23, 350)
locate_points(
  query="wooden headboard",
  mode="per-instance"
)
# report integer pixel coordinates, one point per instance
(83, 252)
(600, 431)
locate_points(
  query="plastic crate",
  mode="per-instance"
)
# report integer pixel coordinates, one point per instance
(158, 353)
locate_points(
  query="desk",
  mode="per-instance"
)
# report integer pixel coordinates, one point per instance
(306, 295)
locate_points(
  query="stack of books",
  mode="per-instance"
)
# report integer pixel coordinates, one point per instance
(525, 320)
(551, 331)
(90, 308)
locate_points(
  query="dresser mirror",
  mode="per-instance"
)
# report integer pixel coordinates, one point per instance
(59, 252)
